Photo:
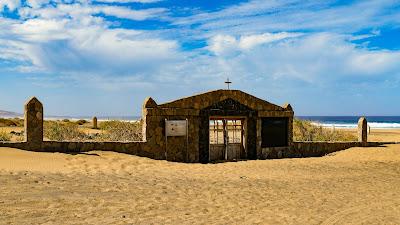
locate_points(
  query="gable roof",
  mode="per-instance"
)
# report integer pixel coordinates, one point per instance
(207, 99)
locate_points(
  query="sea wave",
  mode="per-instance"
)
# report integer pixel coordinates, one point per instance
(354, 125)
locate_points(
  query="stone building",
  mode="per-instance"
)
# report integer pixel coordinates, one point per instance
(221, 125)
(216, 125)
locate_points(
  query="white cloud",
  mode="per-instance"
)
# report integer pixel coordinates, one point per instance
(226, 44)
(375, 62)
(72, 40)
(130, 1)
(40, 30)
(126, 13)
(82, 11)
(37, 3)
(10, 4)
(250, 41)
(223, 44)
(67, 39)
(314, 58)
(260, 16)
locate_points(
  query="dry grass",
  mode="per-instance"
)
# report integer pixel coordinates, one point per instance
(120, 131)
(67, 130)
(304, 130)
(4, 136)
(15, 122)
(109, 131)
(81, 122)
(63, 131)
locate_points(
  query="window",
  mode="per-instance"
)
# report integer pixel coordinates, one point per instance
(234, 130)
(216, 132)
(274, 132)
(230, 130)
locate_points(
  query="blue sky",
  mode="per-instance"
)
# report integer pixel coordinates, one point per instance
(83, 57)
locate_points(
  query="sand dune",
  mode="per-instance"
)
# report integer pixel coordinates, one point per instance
(356, 186)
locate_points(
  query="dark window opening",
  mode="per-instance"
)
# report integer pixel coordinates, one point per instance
(274, 132)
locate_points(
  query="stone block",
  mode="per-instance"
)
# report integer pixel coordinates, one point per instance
(94, 121)
(34, 123)
(362, 130)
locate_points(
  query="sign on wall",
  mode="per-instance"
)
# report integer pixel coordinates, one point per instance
(175, 127)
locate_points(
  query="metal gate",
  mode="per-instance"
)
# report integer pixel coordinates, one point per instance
(226, 139)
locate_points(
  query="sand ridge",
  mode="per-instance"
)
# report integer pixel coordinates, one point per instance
(355, 186)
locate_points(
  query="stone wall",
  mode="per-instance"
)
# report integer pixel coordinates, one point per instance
(197, 111)
(312, 149)
(134, 148)
(180, 148)
(297, 150)
(19, 145)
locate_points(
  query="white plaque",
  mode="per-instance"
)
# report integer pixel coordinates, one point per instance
(175, 127)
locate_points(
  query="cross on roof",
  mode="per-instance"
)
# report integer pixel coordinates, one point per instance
(227, 82)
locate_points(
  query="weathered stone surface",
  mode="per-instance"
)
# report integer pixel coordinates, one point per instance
(212, 97)
(362, 130)
(314, 149)
(34, 123)
(94, 121)
(288, 107)
(197, 110)
(149, 103)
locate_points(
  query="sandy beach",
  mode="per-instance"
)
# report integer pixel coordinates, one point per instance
(376, 134)
(355, 186)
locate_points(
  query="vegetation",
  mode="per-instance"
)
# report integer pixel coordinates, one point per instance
(63, 131)
(66, 130)
(109, 131)
(304, 130)
(4, 136)
(120, 131)
(81, 122)
(15, 122)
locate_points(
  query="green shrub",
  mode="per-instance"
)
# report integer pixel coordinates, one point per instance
(57, 131)
(120, 131)
(304, 130)
(65, 120)
(4, 136)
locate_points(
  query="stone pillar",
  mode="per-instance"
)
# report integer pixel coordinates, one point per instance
(148, 104)
(94, 122)
(34, 123)
(362, 130)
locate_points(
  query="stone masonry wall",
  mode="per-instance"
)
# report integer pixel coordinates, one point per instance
(179, 148)
(297, 150)
(312, 149)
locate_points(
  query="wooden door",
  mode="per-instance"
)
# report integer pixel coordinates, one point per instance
(226, 139)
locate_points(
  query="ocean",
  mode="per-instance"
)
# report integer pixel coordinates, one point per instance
(382, 122)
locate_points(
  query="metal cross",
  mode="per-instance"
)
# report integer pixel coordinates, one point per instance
(227, 82)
